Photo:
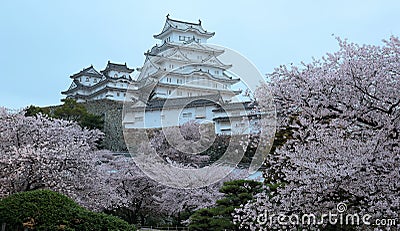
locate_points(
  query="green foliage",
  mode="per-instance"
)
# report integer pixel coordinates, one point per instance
(202, 219)
(283, 134)
(34, 110)
(48, 210)
(72, 111)
(236, 193)
(220, 146)
(91, 121)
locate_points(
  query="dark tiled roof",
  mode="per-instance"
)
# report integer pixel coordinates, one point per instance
(106, 89)
(155, 50)
(85, 72)
(183, 26)
(231, 117)
(184, 102)
(235, 106)
(116, 67)
(103, 82)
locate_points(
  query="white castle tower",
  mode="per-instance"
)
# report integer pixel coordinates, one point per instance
(182, 79)
(184, 66)
(110, 83)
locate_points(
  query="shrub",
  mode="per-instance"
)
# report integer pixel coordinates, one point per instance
(219, 217)
(48, 210)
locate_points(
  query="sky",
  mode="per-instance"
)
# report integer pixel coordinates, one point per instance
(43, 42)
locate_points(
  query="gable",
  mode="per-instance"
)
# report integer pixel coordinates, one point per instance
(92, 71)
(73, 85)
(213, 61)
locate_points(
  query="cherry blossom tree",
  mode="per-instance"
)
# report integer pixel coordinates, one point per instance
(343, 112)
(174, 201)
(145, 197)
(167, 145)
(40, 152)
(133, 187)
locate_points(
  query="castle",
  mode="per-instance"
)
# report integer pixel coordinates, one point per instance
(110, 83)
(181, 80)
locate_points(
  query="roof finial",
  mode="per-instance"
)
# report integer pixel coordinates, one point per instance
(168, 16)
(199, 22)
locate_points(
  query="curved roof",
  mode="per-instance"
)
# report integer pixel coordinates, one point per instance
(212, 99)
(89, 71)
(79, 85)
(206, 73)
(177, 25)
(248, 105)
(190, 45)
(117, 67)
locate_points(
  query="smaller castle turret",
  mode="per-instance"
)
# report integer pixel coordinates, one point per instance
(110, 83)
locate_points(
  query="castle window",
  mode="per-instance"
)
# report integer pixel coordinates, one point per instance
(87, 79)
(94, 80)
(169, 92)
(115, 76)
(217, 72)
(189, 93)
(235, 113)
(118, 94)
(124, 76)
(225, 86)
(184, 38)
(200, 112)
(187, 115)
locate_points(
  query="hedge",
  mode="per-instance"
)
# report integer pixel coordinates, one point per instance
(48, 210)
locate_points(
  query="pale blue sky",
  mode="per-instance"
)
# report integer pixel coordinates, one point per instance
(43, 42)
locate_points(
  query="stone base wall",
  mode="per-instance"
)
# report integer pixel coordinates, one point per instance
(111, 112)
